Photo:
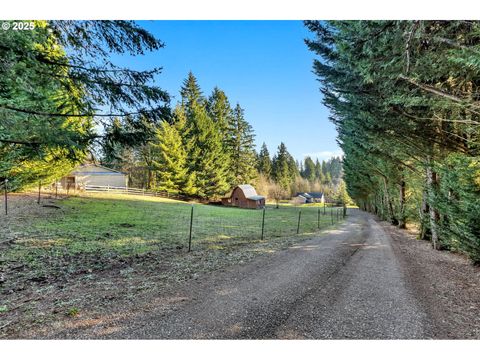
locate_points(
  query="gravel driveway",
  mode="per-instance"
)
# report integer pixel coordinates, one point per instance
(352, 282)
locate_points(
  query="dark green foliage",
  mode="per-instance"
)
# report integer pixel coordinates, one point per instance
(404, 98)
(241, 148)
(54, 79)
(282, 167)
(309, 169)
(264, 162)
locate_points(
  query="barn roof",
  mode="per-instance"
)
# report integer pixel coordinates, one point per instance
(108, 171)
(248, 190)
(256, 197)
(315, 194)
(305, 195)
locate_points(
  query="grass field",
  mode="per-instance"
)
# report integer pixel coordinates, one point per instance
(50, 256)
(95, 226)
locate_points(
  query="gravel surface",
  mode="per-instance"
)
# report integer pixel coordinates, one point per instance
(363, 280)
(351, 282)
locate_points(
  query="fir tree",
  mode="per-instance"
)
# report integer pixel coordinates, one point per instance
(282, 170)
(241, 148)
(264, 162)
(207, 158)
(219, 110)
(318, 172)
(309, 170)
(191, 93)
(170, 161)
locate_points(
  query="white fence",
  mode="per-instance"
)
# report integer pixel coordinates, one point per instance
(132, 191)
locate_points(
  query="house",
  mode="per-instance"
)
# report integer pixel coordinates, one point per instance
(311, 197)
(318, 197)
(244, 196)
(299, 199)
(93, 175)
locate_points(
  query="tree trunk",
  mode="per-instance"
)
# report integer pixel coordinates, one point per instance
(401, 220)
(432, 183)
(424, 211)
(388, 203)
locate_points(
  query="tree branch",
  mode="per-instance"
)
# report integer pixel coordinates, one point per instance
(33, 112)
(439, 92)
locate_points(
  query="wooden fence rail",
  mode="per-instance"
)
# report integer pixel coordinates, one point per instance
(133, 191)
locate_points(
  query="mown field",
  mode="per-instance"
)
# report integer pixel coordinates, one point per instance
(86, 232)
(98, 241)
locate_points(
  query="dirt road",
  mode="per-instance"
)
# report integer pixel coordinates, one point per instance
(357, 281)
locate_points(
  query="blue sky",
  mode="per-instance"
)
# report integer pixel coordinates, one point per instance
(263, 65)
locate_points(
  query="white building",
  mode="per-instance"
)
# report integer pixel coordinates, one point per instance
(94, 175)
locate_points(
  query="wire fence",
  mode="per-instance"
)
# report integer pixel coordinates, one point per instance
(140, 225)
(242, 225)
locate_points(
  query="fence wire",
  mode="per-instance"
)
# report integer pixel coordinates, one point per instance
(140, 225)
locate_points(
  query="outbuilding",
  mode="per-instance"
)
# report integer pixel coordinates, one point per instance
(311, 197)
(244, 196)
(299, 199)
(93, 175)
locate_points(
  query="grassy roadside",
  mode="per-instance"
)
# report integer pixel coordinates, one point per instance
(127, 247)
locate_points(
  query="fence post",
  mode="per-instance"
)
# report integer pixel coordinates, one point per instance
(263, 222)
(190, 234)
(324, 208)
(6, 197)
(56, 189)
(318, 219)
(344, 210)
(39, 189)
(299, 217)
(331, 215)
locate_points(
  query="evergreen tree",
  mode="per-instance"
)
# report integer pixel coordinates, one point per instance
(207, 158)
(309, 171)
(281, 167)
(401, 95)
(318, 172)
(191, 93)
(170, 161)
(219, 110)
(51, 90)
(264, 162)
(241, 148)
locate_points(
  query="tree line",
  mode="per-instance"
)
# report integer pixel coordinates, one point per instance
(404, 96)
(58, 87)
(207, 147)
(203, 149)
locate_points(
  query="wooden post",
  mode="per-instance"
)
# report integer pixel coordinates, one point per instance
(331, 215)
(190, 234)
(56, 189)
(324, 208)
(263, 222)
(299, 217)
(39, 190)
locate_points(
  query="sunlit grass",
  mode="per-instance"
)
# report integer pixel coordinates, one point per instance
(99, 226)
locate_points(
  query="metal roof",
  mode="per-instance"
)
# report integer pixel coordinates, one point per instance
(248, 190)
(256, 197)
(109, 171)
(315, 194)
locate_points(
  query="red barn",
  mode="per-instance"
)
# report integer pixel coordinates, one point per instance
(244, 196)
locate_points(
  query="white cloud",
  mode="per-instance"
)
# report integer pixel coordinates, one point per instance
(324, 155)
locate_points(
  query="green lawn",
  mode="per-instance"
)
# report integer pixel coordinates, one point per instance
(90, 230)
